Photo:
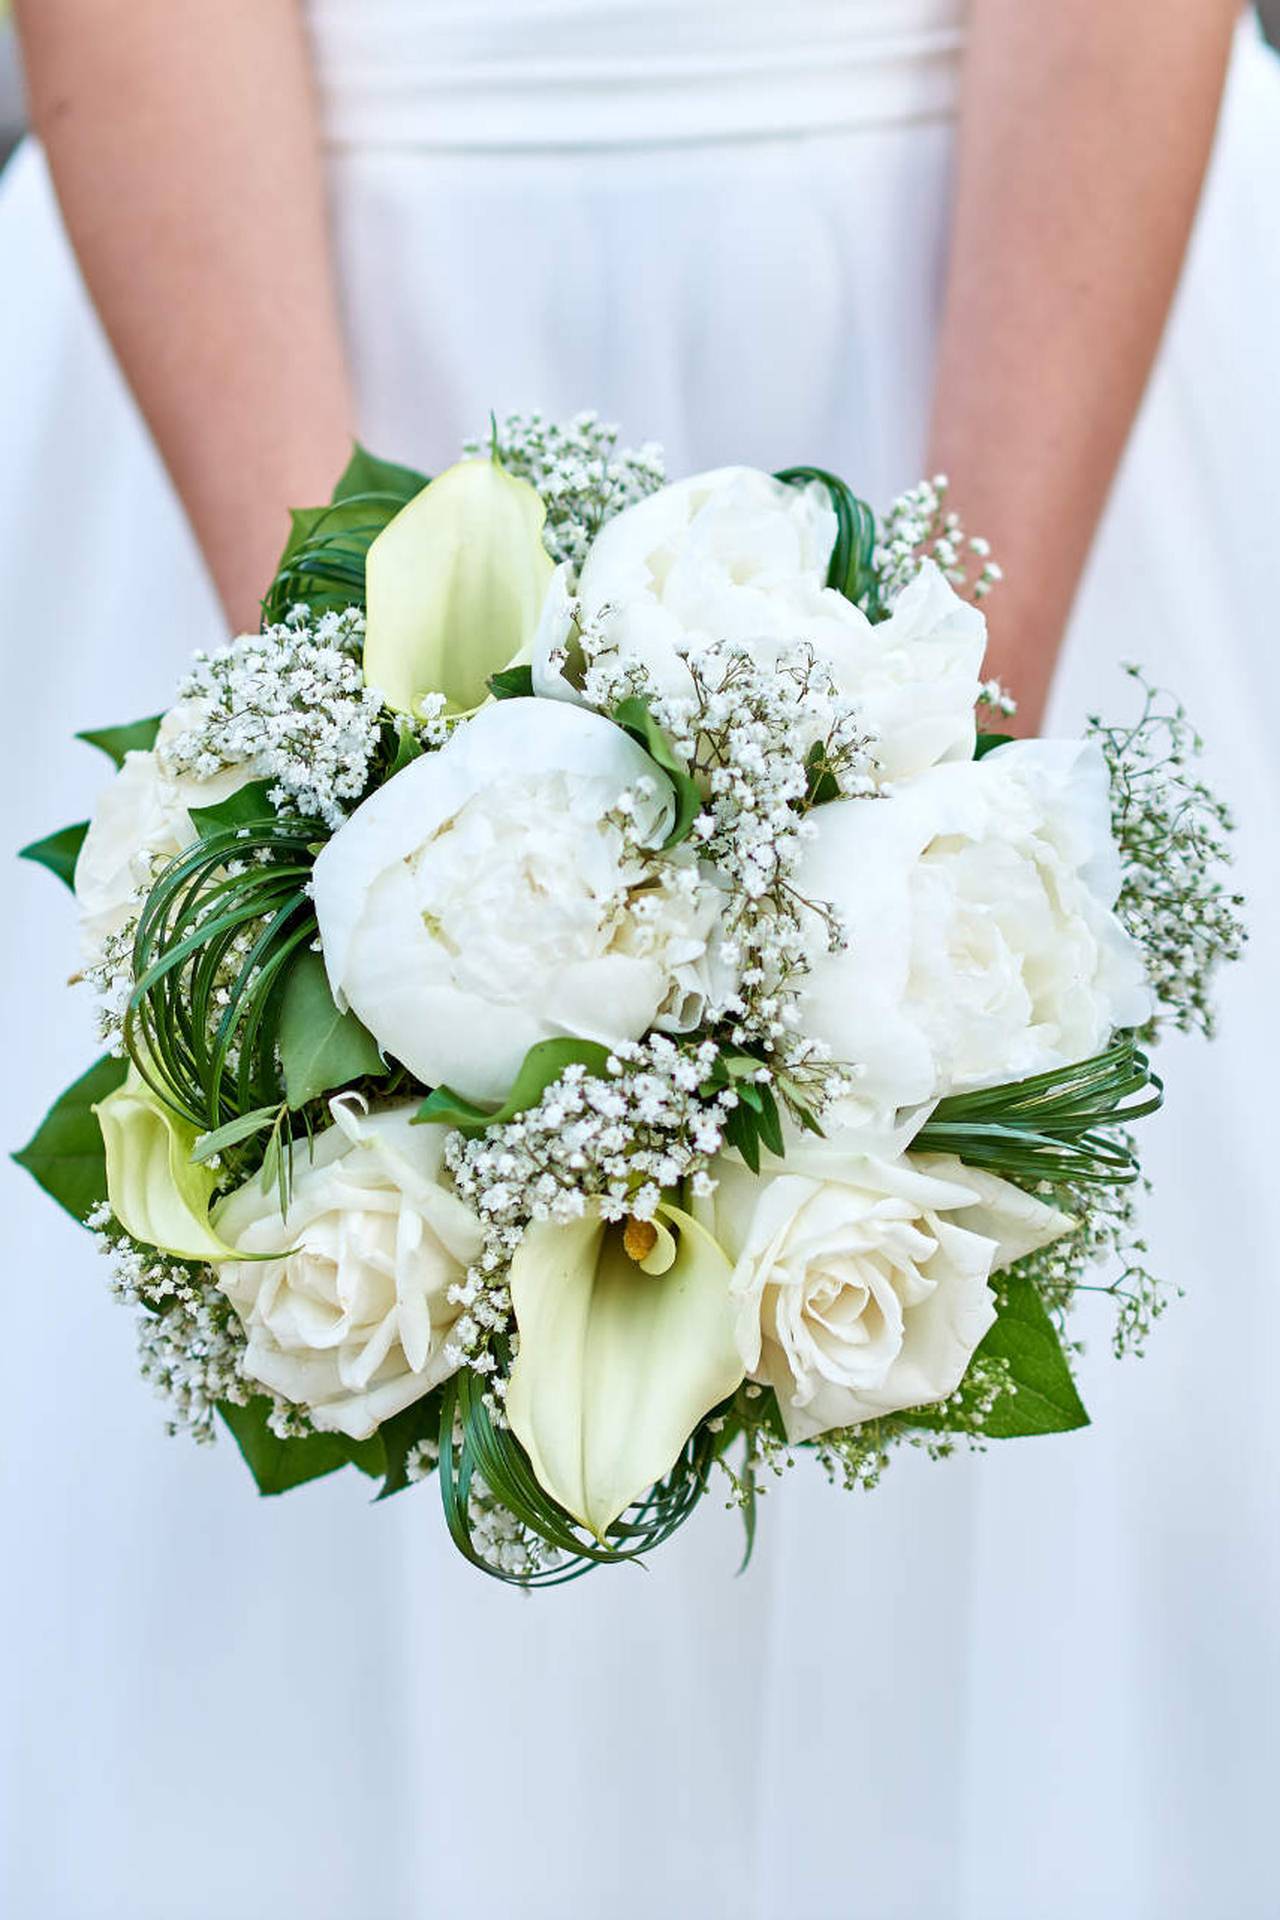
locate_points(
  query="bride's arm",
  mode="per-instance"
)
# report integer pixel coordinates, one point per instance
(183, 143)
(1085, 130)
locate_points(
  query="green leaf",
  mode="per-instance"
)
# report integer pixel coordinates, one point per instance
(137, 737)
(542, 1065)
(513, 683)
(1041, 1396)
(320, 1048)
(247, 806)
(851, 571)
(243, 1128)
(634, 716)
(988, 742)
(402, 1432)
(364, 473)
(278, 1465)
(65, 1154)
(59, 851)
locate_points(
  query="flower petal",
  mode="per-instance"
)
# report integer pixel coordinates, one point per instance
(616, 1366)
(454, 585)
(153, 1189)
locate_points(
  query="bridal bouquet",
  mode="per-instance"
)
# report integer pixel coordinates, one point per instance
(587, 1010)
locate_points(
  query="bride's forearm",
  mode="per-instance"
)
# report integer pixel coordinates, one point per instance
(183, 144)
(1085, 131)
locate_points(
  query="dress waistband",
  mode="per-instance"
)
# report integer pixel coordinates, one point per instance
(495, 74)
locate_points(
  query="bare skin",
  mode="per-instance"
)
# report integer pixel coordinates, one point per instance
(183, 140)
(1085, 130)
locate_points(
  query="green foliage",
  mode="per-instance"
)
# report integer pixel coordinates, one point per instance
(324, 558)
(634, 717)
(320, 1048)
(220, 928)
(988, 742)
(138, 736)
(247, 806)
(851, 571)
(541, 1067)
(1061, 1126)
(471, 1446)
(399, 1435)
(513, 683)
(279, 1465)
(65, 1154)
(58, 851)
(234, 1133)
(1040, 1395)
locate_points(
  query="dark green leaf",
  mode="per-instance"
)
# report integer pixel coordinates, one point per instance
(401, 1433)
(408, 749)
(115, 742)
(851, 570)
(59, 851)
(1041, 1396)
(278, 1465)
(65, 1154)
(234, 1132)
(320, 1048)
(988, 742)
(635, 717)
(513, 683)
(542, 1065)
(247, 806)
(364, 473)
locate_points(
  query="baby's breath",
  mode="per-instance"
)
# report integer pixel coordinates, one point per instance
(921, 526)
(577, 467)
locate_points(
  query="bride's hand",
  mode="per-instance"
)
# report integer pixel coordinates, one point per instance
(184, 146)
(1085, 131)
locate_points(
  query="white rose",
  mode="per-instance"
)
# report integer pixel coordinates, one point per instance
(352, 1321)
(142, 820)
(861, 1285)
(981, 942)
(737, 555)
(483, 900)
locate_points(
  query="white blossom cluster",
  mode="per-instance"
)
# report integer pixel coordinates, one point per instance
(1105, 1256)
(615, 1141)
(291, 703)
(1173, 834)
(921, 526)
(763, 738)
(578, 469)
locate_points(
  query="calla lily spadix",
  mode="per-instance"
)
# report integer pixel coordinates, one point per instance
(157, 1193)
(454, 587)
(622, 1353)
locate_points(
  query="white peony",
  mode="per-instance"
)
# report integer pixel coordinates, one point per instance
(737, 555)
(142, 820)
(982, 945)
(861, 1285)
(485, 900)
(352, 1321)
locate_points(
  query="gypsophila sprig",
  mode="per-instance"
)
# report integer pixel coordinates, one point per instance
(577, 467)
(921, 526)
(291, 703)
(1173, 833)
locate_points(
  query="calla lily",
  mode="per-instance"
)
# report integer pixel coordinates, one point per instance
(454, 587)
(621, 1354)
(153, 1188)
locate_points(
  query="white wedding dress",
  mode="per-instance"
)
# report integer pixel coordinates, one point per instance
(1042, 1681)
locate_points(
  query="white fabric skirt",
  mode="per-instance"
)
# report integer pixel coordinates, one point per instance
(1038, 1681)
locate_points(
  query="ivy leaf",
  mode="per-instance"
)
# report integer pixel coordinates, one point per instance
(66, 1154)
(634, 716)
(542, 1065)
(513, 683)
(1041, 1396)
(365, 473)
(247, 806)
(988, 742)
(278, 1465)
(320, 1048)
(137, 737)
(59, 851)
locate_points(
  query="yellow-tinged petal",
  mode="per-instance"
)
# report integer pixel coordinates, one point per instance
(454, 587)
(616, 1365)
(153, 1189)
